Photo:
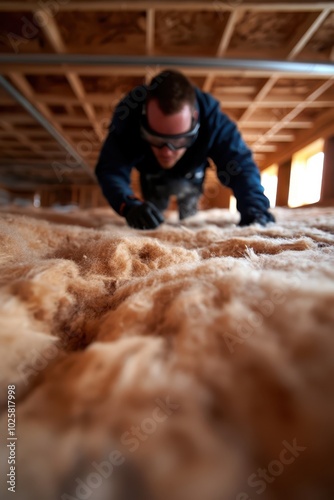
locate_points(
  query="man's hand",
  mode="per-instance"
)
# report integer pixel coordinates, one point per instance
(144, 216)
(256, 217)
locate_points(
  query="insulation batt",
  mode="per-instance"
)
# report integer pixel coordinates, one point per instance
(192, 362)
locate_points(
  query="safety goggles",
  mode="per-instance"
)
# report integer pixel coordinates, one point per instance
(173, 142)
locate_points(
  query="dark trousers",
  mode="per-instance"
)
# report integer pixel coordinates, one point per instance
(157, 188)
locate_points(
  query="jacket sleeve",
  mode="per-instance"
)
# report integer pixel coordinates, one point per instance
(236, 168)
(113, 172)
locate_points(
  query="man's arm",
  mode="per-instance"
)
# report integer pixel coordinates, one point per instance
(113, 172)
(237, 170)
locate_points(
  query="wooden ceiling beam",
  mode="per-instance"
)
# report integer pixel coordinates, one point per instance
(222, 46)
(236, 89)
(19, 118)
(265, 148)
(302, 36)
(21, 138)
(7, 101)
(227, 100)
(33, 135)
(80, 122)
(305, 32)
(73, 121)
(54, 37)
(186, 5)
(302, 124)
(293, 113)
(44, 118)
(25, 162)
(248, 136)
(322, 127)
(79, 91)
(51, 32)
(265, 89)
(44, 154)
(24, 87)
(228, 32)
(69, 108)
(90, 98)
(80, 69)
(285, 110)
(209, 82)
(150, 31)
(279, 103)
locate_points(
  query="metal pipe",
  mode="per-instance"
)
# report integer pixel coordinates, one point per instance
(13, 92)
(301, 67)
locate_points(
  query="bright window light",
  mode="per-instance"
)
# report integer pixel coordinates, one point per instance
(306, 176)
(269, 182)
(233, 204)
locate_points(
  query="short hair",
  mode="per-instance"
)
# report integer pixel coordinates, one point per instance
(172, 90)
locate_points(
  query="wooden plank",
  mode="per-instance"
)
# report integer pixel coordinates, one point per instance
(302, 124)
(327, 188)
(277, 138)
(305, 32)
(297, 43)
(150, 31)
(79, 91)
(22, 119)
(51, 31)
(299, 108)
(209, 82)
(228, 32)
(19, 118)
(280, 103)
(22, 139)
(266, 148)
(237, 89)
(26, 162)
(74, 121)
(223, 44)
(283, 183)
(24, 87)
(266, 88)
(322, 127)
(7, 101)
(191, 5)
(228, 101)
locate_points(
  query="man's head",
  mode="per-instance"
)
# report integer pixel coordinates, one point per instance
(170, 111)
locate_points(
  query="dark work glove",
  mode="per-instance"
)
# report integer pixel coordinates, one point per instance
(144, 216)
(256, 217)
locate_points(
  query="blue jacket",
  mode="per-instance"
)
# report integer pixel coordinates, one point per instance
(218, 139)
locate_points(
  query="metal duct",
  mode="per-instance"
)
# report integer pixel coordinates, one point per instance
(306, 68)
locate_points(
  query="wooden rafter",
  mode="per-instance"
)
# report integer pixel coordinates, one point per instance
(322, 127)
(274, 111)
(305, 32)
(228, 32)
(293, 113)
(150, 31)
(52, 33)
(23, 85)
(223, 44)
(190, 5)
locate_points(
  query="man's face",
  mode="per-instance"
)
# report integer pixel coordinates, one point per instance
(178, 123)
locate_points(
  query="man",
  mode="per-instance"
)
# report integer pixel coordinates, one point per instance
(168, 130)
